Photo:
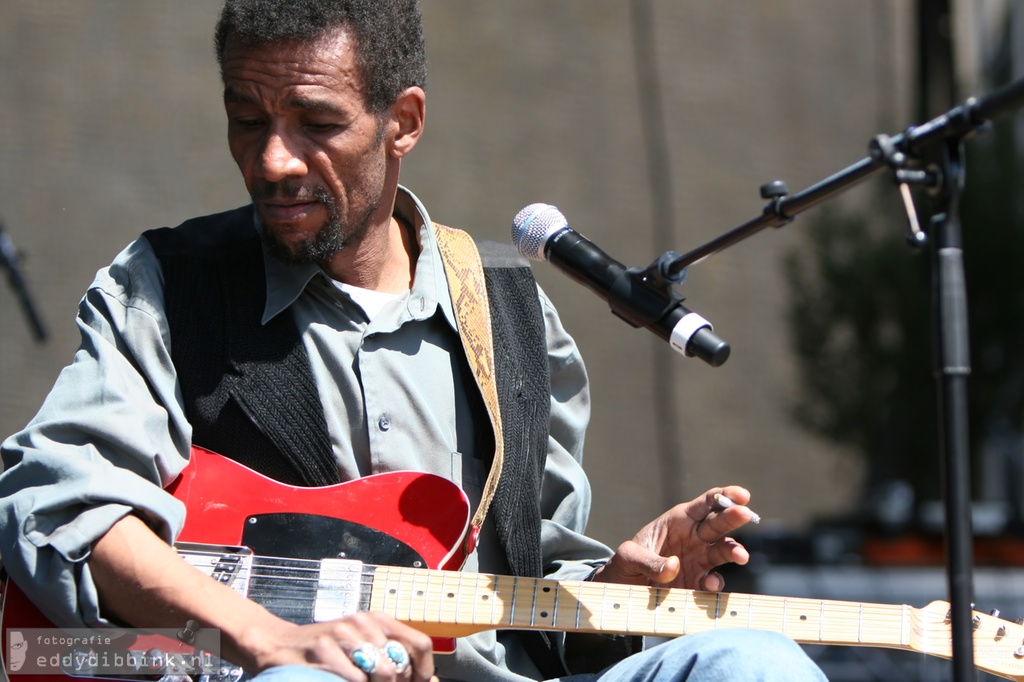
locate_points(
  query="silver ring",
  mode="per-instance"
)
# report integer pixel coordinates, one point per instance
(366, 657)
(398, 655)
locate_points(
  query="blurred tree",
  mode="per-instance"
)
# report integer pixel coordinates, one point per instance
(859, 319)
(861, 325)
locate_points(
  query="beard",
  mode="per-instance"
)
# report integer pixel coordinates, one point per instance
(330, 238)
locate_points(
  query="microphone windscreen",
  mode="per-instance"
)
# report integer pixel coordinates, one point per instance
(533, 226)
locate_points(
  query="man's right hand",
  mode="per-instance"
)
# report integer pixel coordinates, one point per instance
(143, 581)
(330, 646)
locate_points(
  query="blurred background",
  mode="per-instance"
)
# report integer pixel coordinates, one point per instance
(651, 125)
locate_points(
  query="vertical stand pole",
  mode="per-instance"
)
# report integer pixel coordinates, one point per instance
(952, 359)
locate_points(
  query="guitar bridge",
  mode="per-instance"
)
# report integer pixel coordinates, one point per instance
(231, 566)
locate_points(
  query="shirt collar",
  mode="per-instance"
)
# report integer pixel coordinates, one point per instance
(286, 282)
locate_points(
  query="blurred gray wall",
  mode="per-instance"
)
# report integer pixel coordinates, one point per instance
(110, 123)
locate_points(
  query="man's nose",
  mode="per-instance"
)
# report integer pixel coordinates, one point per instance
(280, 159)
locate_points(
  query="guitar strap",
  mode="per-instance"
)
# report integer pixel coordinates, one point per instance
(468, 288)
(465, 273)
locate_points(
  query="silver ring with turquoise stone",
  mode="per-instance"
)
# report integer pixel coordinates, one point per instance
(398, 655)
(366, 657)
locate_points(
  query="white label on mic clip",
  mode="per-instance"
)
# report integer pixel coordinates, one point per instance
(684, 330)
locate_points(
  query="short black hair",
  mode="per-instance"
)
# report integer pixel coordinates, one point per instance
(390, 50)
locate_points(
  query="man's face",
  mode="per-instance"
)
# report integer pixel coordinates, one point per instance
(312, 155)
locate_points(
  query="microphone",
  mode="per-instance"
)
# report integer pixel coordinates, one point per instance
(541, 232)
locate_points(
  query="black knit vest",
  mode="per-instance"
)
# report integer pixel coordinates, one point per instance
(249, 392)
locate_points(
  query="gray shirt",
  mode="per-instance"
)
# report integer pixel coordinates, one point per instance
(113, 430)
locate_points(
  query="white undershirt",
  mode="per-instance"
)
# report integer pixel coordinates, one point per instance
(372, 302)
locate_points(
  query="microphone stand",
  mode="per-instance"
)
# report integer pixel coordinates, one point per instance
(9, 259)
(929, 155)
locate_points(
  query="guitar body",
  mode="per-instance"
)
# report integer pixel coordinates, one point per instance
(397, 518)
(224, 500)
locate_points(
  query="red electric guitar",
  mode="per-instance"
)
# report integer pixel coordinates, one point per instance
(391, 543)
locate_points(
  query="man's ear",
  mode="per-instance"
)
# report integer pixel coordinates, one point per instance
(409, 112)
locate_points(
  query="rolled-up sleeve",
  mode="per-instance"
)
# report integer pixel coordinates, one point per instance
(108, 437)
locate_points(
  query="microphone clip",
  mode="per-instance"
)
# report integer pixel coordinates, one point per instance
(664, 272)
(647, 298)
(651, 287)
(642, 296)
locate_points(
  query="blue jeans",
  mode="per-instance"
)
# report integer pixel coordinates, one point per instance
(722, 656)
(719, 656)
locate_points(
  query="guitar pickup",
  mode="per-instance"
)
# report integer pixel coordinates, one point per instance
(340, 590)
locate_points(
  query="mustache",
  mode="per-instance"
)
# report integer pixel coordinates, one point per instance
(289, 190)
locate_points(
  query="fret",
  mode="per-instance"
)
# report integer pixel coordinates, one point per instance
(667, 613)
(616, 609)
(579, 606)
(463, 609)
(388, 592)
(382, 591)
(533, 607)
(785, 612)
(800, 620)
(554, 609)
(494, 602)
(515, 595)
(459, 600)
(403, 594)
(422, 592)
(444, 599)
(545, 601)
(905, 626)
(629, 610)
(686, 614)
(510, 605)
(464, 601)
(604, 605)
(467, 598)
(656, 598)
(484, 594)
(486, 598)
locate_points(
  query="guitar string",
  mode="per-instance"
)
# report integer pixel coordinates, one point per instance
(927, 638)
(306, 572)
(312, 569)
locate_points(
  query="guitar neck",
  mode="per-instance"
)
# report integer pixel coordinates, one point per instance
(453, 604)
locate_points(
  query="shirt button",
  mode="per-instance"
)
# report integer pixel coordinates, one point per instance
(384, 423)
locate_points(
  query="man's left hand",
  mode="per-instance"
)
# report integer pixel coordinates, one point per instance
(683, 546)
